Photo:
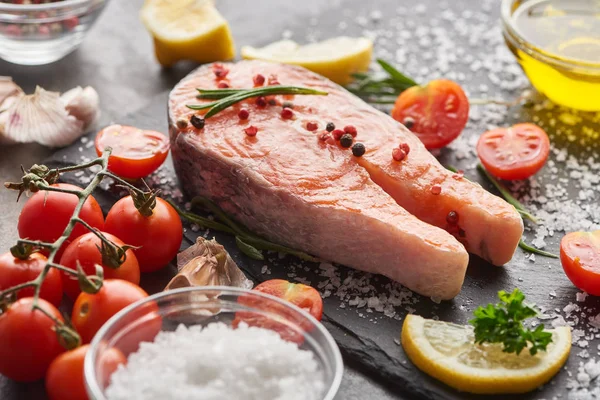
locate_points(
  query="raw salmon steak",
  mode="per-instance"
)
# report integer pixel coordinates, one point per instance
(288, 185)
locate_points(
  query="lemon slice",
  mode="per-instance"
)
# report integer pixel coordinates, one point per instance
(187, 30)
(447, 352)
(335, 58)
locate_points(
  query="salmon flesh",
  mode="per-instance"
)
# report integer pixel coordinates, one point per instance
(371, 213)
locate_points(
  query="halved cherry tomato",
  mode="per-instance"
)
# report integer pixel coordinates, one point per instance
(14, 271)
(46, 215)
(437, 113)
(28, 342)
(274, 316)
(91, 311)
(136, 153)
(514, 153)
(580, 258)
(157, 236)
(84, 250)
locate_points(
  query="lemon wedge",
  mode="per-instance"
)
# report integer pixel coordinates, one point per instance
(187, 30)
(335, 58)
(447, 352)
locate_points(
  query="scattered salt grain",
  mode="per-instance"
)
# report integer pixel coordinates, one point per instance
(217, 362)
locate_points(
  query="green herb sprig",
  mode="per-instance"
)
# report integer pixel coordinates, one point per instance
(227, 97)
(381, 91)
(503, 323)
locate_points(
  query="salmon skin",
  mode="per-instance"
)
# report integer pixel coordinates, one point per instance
(291, 187)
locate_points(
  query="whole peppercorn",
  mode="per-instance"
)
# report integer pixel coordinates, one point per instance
(261, 101)
(358, 149)
(223, 85)
(350, 129)
(346, 140)
(452, 218)
(436, 189)
(337, 134)
(287, 113)
(323, 136)
(330, 127)
(251, 130)
(287, 104)
(272, 102)
(258, 80)
(220, 71)
(273, 80)
(405, 147)
(398, 154)
(197, 122)
(408, 122)
(243, 114)
(312, 126)
(182, 123)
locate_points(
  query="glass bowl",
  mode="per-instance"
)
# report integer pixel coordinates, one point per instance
(570, 82)
(36, 34)
(201, 306)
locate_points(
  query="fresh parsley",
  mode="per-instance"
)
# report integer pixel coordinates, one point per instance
(502, 323)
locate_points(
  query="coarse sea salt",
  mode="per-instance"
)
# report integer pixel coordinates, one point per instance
(217, 362)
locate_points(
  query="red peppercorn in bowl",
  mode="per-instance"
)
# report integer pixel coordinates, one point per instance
(36, 34)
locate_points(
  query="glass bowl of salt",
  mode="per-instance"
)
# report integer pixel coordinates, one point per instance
(213, 343)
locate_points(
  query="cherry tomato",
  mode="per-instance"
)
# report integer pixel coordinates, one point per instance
(91, 311)
(84, 250)
(64, 379)
(28, 342)
(437, 113)
(580, 258)
(278, 318)
(135, 152)
(514, 153)
(46, 215)
(14, 271)
(157, 236)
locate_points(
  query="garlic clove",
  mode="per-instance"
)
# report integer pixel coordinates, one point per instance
(9, 92)
(207, 263)
(83, 104)
(42, 118)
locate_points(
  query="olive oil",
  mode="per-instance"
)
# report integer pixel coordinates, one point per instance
(557, 43)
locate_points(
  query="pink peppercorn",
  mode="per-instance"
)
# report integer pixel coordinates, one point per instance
(398, 154)
(337, 134)
(261, 101)
(273, 80)
(323, 136)
(220, 71)
(44, 30)
(287, 113)
(71, 23)
(251, 130)
(458, 175)
(312, 126)
(351, 129)
(223, 85)
(243, 114)
(436, 189)
(405, 147)
(258, 79)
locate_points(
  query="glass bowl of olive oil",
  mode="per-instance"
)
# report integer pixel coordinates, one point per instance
(557, 43)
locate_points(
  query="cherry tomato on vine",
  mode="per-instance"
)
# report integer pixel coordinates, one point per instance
(84, 250)
(46, 215)
(135, 152)
(157, 236)
(514, 153)
(91, 311)
(303, 296)
(28, 342)
(437, 113)
(580, 258)
(14, 271)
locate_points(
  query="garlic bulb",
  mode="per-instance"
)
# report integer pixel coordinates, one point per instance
(82, 103)
(207, 263)
(42, 118)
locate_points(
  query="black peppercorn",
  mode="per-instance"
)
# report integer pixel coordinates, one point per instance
(197, 122)
(358, 149)
(287, 104)
(408, 122)
(330, 127)
(272, 102)
(346, 140)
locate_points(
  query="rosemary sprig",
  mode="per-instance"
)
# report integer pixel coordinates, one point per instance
(532, 249)
(381, 91)
(249, 243)
(227, 97)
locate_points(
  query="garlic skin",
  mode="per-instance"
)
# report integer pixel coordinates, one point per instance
(83, 104)
(207, 263)
(41, 117)
(9, 92)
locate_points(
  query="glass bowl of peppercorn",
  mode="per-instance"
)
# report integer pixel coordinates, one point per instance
(36, 32)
